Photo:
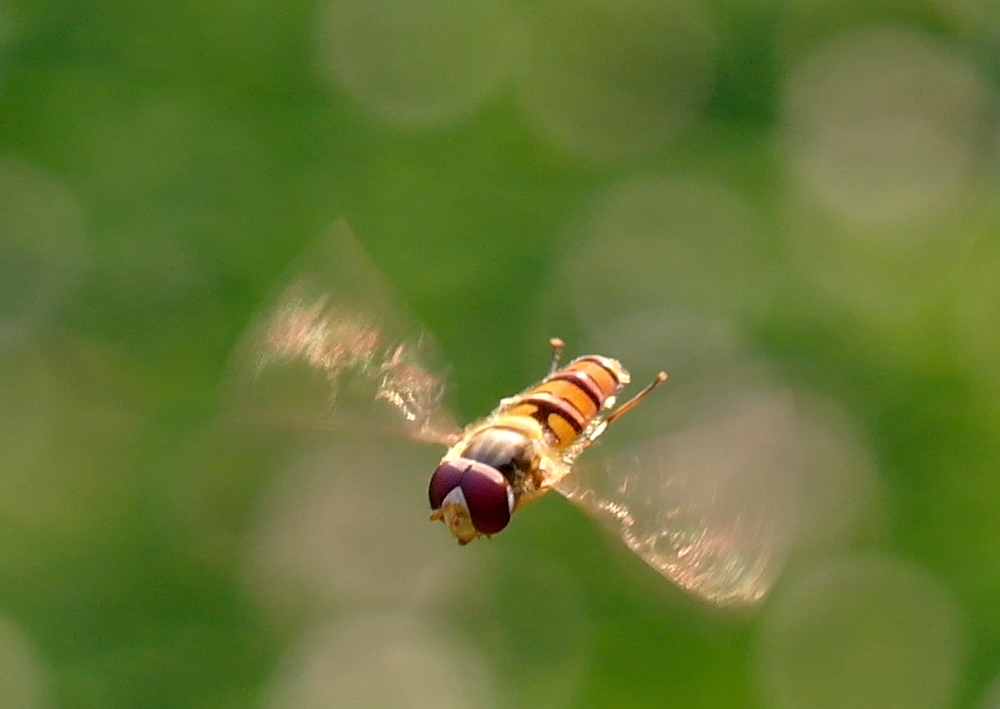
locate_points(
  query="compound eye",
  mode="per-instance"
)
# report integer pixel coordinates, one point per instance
(445, 479)
(488, 496)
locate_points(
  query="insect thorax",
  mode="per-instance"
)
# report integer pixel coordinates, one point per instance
(512, 451)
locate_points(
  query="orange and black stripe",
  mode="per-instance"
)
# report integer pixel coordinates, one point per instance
(567, 400)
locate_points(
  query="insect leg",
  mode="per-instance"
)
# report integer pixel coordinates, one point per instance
(557, 348)
(660, 378)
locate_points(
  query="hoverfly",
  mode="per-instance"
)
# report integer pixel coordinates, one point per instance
(527, 445)
(335, 350)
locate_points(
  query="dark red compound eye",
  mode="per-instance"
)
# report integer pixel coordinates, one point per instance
(445, 479)
(487, 495)
(486, 491)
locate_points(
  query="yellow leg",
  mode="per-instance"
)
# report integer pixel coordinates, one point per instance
(557, 348)
(660, 378)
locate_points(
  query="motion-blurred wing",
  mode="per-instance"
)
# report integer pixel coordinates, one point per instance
(711, 508)
(334, 350)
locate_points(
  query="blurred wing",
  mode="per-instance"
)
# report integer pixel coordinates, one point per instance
(334, 350)
(712, 508)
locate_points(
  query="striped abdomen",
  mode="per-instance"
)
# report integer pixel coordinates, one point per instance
(569, 399)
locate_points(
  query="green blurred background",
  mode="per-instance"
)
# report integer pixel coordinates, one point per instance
(789, 195)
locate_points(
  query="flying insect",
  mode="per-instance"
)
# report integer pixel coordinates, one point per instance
(335, 349)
